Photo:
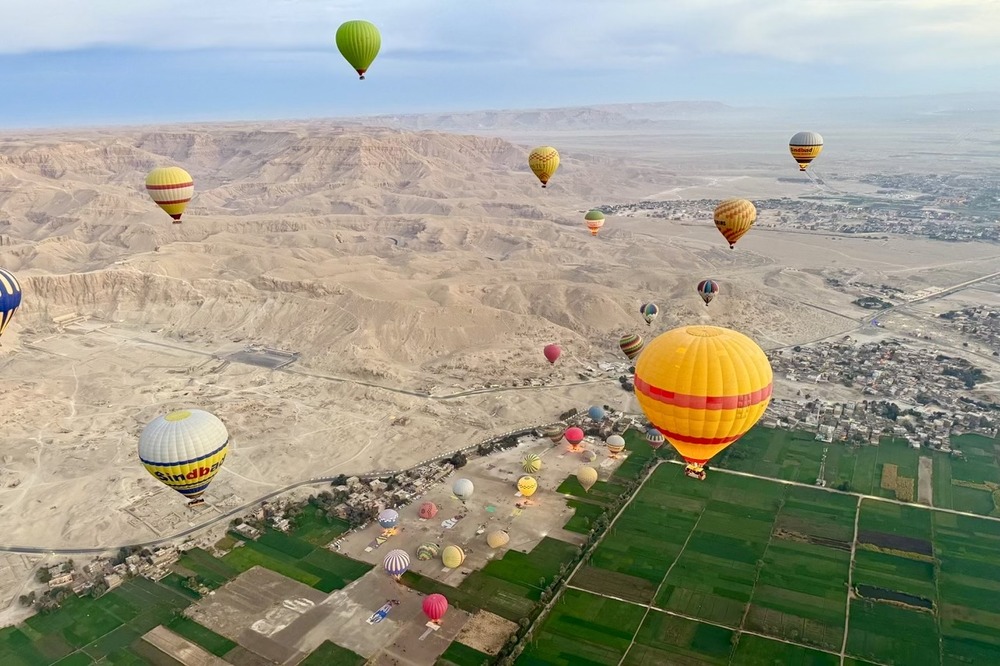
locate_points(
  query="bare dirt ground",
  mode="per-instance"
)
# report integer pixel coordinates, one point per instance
(486, 632)
(925, 478)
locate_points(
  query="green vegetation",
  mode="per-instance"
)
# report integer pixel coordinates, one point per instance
(758, 651)
(330, 653)
(459, 654)
(587, 629)
(298, 559)
(777, 454)
(199, 635)
(968, 483)
(668, 639)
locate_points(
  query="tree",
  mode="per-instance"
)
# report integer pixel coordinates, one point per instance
(458, 460)
(42, 575)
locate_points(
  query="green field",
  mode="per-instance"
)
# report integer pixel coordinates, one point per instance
(329, 653)
(735, 553)
(797, 456)
(458, 654)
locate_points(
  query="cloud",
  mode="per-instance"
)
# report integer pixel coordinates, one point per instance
(553, 35)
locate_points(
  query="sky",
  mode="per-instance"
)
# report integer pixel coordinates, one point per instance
(129, 61)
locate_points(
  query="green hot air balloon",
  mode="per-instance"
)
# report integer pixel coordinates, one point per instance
(359, 42)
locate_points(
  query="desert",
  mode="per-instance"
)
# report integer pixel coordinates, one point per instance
(406, 280)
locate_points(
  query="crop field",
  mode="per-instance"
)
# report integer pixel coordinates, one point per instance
(962, 484)
(711, 561)
(297, 559)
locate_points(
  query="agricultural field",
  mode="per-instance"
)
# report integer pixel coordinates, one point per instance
(710, 561)
(962, 484)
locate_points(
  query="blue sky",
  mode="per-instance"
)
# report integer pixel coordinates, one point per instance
(122, 61)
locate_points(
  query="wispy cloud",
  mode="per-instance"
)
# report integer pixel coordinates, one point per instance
(602, 33)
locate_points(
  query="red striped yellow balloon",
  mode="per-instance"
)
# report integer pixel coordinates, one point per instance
(703, 387)
(733, 218)
(171, 188)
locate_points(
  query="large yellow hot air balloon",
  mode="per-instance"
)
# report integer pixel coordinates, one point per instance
(805, 147)
(544, 161)
(703, 387)
(171, 188)
(527, 486)
(587, 476)
(733, 218)
(185, 450)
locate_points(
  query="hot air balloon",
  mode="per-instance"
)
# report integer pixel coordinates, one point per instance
(388, 518)
(10, 298)
(184, 450)
(359, 43)
(427, 510)
(596, 413)
(544, 161)
(463, 489)
(396, 563)
(649, 312)
(527, 486)
(435, 606)
(427, 551)
(452, 556)
(589, 456)
(702, 387)
(531, 463)
(733, 218)
(171, 188)
(594, 220)
(587, 476)
(631, 345)
(555, 432)
(805, 147)
(552, 353)
(616, 444)
(497, 539)
(574, 436)
(654, 438)
(707, 289)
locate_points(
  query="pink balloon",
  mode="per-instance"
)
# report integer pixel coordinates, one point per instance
(435, 606)
(574, 436)
(552, 353)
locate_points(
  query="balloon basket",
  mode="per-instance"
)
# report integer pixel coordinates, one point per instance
(196, 502)
(694, 472)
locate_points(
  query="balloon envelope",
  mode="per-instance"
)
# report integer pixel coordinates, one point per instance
(733, 218)
(594, 220)
(396, 562)
(497, 539)
(435, 606)
(10, 298)
(649, 312)
(552, 353)
(171, 188)
(616, 443)
(427, 510)
(452, 556)
(703, 387)
(587, 476)
(359, 42)
(427, 550)
(531, 463)
(555, 432)
(184, 450)
(463, 489)
(574, 435)
(527, 486)
(543, 161)
(654, 438)
(805, 147)
(631, 345)
(388, 518)
(596, 413)
(707, 289)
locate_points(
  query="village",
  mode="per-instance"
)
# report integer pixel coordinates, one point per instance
(916, 394)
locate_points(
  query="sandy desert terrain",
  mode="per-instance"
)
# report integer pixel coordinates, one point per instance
(401, 267)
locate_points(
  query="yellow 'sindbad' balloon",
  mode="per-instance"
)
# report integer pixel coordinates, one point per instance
(171, 188)
(733, 218)
(544, 161)
(497, 539)
(452, 556)
(703, 387)
(184, 450)
(527, 486)
(805, 147)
